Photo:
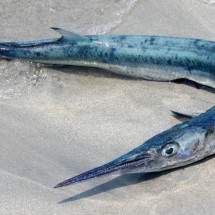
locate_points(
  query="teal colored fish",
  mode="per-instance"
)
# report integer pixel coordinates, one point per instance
(148, 57)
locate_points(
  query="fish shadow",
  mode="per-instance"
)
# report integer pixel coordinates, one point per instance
(120, 181)
(194, 84)
(126, 180)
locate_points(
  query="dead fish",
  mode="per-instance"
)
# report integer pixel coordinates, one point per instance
(181, 145)
(147, 57)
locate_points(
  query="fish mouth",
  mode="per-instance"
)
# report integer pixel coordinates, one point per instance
(7, 45)
(124, 163)
(4, 49)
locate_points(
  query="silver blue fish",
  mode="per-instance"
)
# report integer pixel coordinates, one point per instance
(181, 145)
(148, 57)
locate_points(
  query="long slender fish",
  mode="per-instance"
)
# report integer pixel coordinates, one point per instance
(148, 57)
(181, 145)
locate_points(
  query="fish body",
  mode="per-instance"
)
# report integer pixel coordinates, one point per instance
(147, 57)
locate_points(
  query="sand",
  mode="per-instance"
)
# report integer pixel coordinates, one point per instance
(57, 123)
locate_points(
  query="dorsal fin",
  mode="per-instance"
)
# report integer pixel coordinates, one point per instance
(70, 36)
(184, 116)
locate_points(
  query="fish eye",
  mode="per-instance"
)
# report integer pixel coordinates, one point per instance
(170, 149)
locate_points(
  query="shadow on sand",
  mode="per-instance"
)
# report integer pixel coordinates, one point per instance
(120, 181)
(125, 180)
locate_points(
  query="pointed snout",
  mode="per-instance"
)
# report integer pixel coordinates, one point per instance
(3, 50)
(126, 162)
(6, 50)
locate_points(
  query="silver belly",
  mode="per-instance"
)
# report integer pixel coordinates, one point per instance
(148, 72)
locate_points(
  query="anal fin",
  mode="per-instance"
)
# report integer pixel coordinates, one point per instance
(183, 116)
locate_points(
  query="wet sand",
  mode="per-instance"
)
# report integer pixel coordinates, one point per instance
(59, 122)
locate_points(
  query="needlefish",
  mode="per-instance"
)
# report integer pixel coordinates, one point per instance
(154, 58)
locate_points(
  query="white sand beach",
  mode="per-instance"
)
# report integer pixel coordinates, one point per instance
(56, 123)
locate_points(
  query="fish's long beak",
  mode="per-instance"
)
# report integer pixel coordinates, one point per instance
(2, 50)
(124, 163)
(5, 49)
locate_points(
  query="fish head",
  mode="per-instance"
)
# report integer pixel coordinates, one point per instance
(179, 146)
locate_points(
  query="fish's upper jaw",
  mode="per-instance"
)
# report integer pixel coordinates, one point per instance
(3, 49)
(123, 163)
(7, 50)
